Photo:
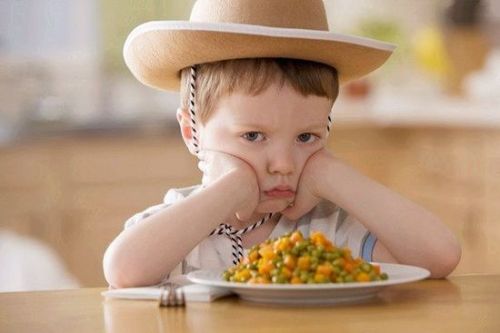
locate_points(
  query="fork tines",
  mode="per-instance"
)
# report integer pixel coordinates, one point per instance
(171, 295)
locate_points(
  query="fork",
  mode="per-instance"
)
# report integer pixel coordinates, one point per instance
(171, 295)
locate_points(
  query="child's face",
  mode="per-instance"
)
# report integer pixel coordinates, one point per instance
(275, 132)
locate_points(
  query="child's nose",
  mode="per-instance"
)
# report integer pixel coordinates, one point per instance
(281, 162)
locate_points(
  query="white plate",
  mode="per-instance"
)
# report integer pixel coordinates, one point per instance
(302, 294)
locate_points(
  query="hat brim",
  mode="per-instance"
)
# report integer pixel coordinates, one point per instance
(156, 52)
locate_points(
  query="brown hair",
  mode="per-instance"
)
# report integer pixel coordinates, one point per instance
(253, 76)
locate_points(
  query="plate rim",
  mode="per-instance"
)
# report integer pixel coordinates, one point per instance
(422, 274)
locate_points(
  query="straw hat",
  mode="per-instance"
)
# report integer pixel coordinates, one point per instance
(157, 51)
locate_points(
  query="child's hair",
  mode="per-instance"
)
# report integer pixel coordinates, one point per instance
(253, 76)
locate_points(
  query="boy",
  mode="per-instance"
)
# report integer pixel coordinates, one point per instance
(258, 79)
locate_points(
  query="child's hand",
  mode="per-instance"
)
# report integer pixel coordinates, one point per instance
(217, 164)
(309, 191)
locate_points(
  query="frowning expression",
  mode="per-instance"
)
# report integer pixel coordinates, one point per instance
(275, 132)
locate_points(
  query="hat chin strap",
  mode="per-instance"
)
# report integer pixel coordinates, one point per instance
(192, 111)
(329, 125)
(235, 236)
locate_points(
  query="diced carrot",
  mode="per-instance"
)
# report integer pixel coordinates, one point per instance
(266, 267)
(363, 277)
(267, 252)
(243, 275)
(347, 253)
(253, 256)
(263, 279)
(318, 238)
(329, 246)
(284, 244)
(296, 236)
(286, 272)
(304, 262)
(348, 267)
(325, 269)
(290, 261)
(320, 278)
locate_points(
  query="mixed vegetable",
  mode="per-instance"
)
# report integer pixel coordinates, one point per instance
(296, 260)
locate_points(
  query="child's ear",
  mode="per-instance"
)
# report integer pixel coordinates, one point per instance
(186, 131)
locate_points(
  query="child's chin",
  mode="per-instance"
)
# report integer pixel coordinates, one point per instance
(272, 206)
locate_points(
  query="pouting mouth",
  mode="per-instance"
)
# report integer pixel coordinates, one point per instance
(277, 193)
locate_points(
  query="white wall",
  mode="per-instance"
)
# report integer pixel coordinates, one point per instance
(48, 48)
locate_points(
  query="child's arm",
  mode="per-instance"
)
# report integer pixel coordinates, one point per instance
(145, 253)
(406, 232)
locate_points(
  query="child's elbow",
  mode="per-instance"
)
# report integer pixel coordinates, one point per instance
(115, 270)
(446, 261)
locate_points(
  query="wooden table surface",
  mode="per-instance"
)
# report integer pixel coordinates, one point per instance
(468, 303)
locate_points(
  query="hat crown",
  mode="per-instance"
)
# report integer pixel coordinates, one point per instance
(296, 14)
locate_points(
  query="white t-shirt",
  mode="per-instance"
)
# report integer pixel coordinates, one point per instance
(214, 252)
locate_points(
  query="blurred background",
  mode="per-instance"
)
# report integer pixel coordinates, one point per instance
(83, 145)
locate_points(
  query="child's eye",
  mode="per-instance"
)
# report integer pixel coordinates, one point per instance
(307, 137)
(253, 136)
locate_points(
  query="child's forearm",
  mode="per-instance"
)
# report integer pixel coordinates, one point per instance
(148, 251)
(409, 232)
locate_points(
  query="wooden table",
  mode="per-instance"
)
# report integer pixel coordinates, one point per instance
(461, 304)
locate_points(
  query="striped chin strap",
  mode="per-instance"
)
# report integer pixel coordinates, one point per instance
(329, 125)
(225, 229)
(235, 236)
(192, 110)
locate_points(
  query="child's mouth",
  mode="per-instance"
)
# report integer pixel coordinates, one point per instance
(280, 192)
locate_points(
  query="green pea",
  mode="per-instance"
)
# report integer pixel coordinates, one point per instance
(349, 278)
(384, 276)
(278, 279)
(300, 246)
(366, 267)
(329, 256)
(339, 262)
